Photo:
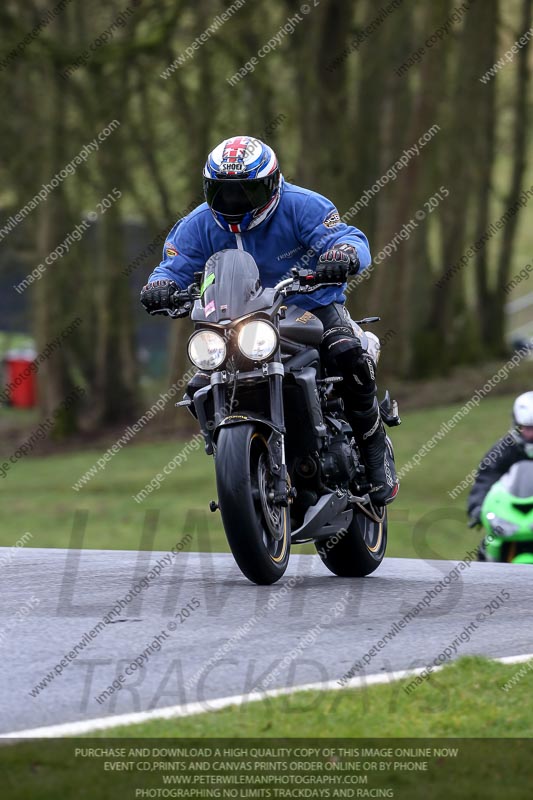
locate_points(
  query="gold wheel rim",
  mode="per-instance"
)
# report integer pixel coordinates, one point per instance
(380, 538)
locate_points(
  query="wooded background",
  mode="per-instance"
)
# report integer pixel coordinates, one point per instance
(332, 99)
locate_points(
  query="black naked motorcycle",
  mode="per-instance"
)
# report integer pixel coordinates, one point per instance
(287, 466)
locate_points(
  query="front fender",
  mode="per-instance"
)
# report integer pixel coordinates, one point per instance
(245, 419)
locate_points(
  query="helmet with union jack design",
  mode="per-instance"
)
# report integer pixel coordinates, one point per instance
(242, 183)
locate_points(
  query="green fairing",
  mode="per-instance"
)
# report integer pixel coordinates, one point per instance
(523, 558)
(516, 513)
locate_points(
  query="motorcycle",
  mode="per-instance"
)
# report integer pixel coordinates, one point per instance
(507, 517)
(287, 467)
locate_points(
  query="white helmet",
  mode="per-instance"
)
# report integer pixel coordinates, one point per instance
(523, 410)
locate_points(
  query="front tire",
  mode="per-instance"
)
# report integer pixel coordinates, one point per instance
(258, 532)
(358, 550)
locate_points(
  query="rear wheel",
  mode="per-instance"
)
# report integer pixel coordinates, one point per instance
(258, 532)
(358, 550)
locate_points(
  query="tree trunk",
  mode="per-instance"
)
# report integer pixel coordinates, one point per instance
(519, 140)
(447, 333)
(53, 309)
(485, 156)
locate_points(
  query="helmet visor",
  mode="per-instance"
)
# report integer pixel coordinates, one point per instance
(234, 198)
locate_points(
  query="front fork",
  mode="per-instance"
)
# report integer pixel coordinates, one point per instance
(276, 442)
(273, 372)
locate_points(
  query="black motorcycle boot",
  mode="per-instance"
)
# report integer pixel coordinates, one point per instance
(376, 452)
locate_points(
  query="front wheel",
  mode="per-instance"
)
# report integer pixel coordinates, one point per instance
(358, 550)
(258, 532)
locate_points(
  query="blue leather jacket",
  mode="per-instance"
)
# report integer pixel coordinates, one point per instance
(304, 225)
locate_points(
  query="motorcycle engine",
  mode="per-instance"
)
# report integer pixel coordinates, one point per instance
(339, 463)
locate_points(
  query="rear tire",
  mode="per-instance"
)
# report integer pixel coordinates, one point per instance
(358, 550)
(257, 531)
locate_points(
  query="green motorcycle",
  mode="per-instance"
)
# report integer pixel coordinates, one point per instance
(507, 516)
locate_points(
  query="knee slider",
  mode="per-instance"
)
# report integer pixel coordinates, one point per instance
(344, 353)
(337, 341)
(359, 371)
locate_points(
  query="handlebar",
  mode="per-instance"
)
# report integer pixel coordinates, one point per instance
(286, 282)
(301, 282)
(181, 301)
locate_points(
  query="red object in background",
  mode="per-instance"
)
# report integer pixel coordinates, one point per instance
(20, 380)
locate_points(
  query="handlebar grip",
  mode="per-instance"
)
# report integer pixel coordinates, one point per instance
(180, 297)
(181, 304)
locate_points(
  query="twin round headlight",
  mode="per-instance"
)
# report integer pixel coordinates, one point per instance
(257, 341)
(207, 349)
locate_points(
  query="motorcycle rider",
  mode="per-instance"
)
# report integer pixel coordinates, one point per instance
(516, 445)
(250, 206)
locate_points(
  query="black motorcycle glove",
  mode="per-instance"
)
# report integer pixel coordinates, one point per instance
(155, 296)
(474, 518)
(336, 264)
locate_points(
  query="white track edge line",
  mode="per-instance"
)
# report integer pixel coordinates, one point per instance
(189, 709)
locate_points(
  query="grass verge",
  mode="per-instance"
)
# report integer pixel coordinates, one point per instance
(37, 494)
(465, 699)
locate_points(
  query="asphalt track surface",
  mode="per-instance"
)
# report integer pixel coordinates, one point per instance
(336, 621)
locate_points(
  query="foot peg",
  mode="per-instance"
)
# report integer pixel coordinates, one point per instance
(389, 411)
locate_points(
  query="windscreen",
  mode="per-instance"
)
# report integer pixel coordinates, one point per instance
(230, 281)
(519, 480)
